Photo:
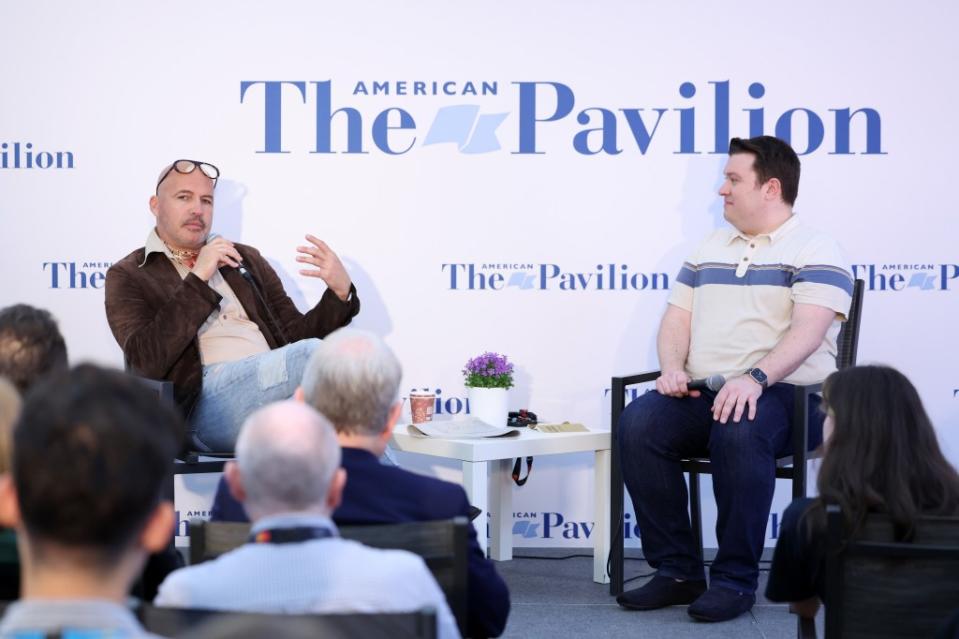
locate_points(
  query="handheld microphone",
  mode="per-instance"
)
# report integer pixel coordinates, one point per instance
(712, 383)
(241, 268)
(245, 273)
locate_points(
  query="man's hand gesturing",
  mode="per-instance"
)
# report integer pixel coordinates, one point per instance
(329, 268)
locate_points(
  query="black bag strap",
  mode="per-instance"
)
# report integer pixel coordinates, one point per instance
(517, 467)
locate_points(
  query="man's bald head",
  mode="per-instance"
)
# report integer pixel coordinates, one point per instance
(286, 457)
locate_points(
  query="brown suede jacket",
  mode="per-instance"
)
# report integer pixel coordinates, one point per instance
(155, 315)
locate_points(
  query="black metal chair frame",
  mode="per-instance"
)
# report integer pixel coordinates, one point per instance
(187, 462)
(790, 467)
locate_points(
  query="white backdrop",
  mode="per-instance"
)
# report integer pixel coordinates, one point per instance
(113, 91)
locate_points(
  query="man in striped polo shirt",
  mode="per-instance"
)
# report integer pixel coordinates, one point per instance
(760, 304)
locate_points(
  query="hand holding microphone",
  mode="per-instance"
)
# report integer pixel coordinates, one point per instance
(218, 251)
(679, 384)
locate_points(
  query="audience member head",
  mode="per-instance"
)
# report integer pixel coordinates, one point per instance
(353, 378)
(772, 159)
(92, 451)
(287, 461)
(30, 345)
(881, 451)
(9, 410)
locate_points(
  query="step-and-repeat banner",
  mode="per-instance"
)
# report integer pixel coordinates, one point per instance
(524, 178)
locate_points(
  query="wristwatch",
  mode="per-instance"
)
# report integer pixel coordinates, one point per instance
(759, 377)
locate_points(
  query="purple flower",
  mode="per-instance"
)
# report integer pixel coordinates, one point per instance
(489, 370)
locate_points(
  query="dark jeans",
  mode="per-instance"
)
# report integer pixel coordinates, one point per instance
(656, 432)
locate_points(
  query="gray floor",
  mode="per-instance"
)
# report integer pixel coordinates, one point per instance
(557, 598)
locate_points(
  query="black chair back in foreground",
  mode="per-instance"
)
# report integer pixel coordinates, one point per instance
(443, 545)
(179, 622)
(792, 467)
(878, 588)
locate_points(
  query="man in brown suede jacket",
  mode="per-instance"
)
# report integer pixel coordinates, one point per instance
(211, 315)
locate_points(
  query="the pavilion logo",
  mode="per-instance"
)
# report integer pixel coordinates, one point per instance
(23, 155)
(527, 276)
(900, 277)
(543, 118)
(550, 525)
(76, 275)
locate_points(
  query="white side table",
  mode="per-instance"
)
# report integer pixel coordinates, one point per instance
(493, 491)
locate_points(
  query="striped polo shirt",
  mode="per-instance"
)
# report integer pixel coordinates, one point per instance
(741, 291)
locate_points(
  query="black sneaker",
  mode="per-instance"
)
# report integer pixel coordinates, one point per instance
(721, 604)
(660, 592)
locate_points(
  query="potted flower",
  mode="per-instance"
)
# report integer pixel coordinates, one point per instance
(488, 377)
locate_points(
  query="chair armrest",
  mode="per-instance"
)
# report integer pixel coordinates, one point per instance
(618, 388)
(637, 378)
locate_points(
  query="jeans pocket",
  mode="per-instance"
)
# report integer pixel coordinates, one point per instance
(271, 370)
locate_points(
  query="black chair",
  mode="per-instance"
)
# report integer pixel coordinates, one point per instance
(792, 467)
(180, 622)
(188, 462)
(877, 588)
(210, 539)
(442, 544)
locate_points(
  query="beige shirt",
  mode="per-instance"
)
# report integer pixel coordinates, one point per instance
(227, 335)
(741, 291)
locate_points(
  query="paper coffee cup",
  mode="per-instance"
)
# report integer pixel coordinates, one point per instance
(421, 406)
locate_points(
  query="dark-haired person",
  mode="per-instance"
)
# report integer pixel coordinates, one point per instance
(92, 451)
(9, 559)
(211, 315)
(30, 345)
(759, 303)
(880, 455)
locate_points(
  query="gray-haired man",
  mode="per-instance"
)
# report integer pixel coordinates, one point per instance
(288, 476)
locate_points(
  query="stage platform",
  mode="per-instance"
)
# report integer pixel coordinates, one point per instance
(555, 598)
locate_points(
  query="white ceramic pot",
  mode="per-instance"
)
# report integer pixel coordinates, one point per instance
(489, 405)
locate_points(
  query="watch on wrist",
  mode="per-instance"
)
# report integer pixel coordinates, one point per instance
(759, 377)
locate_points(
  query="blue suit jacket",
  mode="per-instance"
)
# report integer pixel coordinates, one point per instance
(379, 494)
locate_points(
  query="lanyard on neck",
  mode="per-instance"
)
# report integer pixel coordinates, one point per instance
(290, 535)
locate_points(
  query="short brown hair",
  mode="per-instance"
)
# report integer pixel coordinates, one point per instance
(773, 158)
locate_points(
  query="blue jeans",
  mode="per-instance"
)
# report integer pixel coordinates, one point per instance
(656, 432)
(233, 390)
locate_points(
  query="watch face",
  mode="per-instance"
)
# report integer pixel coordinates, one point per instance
(758, 375)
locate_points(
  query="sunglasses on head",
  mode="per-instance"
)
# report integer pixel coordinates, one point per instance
(189, 166)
